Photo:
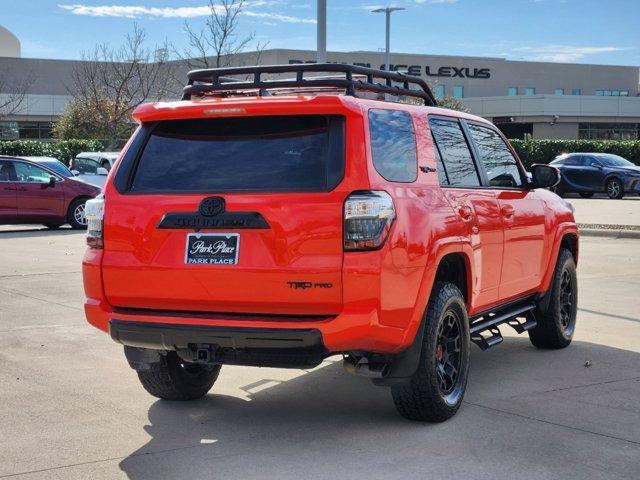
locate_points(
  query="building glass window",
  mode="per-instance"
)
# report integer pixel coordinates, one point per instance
(512, 91)
(559, 91)
(530, 91)
(609, 131)
(624, 93)
(599, 93)
(615, 93)
(8, 130)
(607, 93)
(458, 91)
(576, 91)
(439, 92)
(11, 130)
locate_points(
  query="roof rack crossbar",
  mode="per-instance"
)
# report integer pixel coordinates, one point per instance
(217, 80)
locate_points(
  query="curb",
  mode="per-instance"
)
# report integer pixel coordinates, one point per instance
(611, 233)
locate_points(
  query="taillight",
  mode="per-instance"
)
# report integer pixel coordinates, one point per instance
(368, 217)
(94, 213)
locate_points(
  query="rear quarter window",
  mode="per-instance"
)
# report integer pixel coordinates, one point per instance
(393, 145)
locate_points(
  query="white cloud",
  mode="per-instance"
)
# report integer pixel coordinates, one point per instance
(277, 17)
(562, 53)
(132, 11)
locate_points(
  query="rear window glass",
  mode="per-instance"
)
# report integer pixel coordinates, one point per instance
(393, 145)
(248, 154)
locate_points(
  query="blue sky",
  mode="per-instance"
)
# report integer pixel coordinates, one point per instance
(584, 31)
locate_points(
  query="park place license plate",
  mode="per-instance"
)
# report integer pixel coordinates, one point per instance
(212, 249)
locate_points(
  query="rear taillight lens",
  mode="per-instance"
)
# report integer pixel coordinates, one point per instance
(368, 217)
(94, 213)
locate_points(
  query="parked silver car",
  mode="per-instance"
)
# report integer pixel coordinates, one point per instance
(98, 177)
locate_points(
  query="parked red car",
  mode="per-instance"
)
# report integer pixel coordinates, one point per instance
(253, 225)
(34, 193)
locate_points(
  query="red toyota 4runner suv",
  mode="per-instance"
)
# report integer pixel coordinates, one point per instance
(277, 221)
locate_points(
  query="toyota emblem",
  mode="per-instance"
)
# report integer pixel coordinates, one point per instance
(212, 206)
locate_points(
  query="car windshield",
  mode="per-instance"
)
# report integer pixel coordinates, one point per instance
(614, 161)
(58, 167)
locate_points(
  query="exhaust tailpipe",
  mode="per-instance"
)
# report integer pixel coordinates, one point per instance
(362, 368)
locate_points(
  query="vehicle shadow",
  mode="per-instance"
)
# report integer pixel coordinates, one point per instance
(327, 424)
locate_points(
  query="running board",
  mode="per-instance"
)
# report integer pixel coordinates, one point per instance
(484, 329)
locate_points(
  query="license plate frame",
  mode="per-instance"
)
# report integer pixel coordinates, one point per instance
(207, 249)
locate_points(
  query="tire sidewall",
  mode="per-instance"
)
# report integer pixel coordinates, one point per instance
(566, 263)
(435, 315)
(70, 214)
(620, 191)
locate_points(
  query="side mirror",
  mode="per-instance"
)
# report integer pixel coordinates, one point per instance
(50, 184)
(75, 172)
(544, 176)
(599, 166)
(102, 171)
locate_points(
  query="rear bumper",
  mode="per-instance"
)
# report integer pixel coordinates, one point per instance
(292, 348)
(348, 331)
(159, 336)
(380, 314)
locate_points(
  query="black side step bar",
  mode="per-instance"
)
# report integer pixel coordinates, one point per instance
(484, 329)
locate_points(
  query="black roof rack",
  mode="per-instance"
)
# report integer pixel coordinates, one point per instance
(214, 81)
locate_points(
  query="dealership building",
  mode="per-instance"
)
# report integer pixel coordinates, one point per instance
(536, 99)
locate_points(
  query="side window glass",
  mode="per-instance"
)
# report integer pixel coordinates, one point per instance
(456, 157)
(393, 145)
(25, 172)
(7, 171)
(86, 166)
(443, 178)
(500, 165)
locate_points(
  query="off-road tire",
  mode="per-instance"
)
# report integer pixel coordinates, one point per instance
(586, 194)
(423, 398)
(173, 379)
(71, 214)
(612, 191)
(554, 331)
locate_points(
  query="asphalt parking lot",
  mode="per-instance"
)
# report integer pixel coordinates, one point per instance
(70, 407)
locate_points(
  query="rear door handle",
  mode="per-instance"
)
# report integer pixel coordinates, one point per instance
(507, 211)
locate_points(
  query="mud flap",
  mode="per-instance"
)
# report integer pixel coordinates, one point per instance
(403, 365)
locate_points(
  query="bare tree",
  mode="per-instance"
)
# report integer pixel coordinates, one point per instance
(112, 82)
(216, 44)
(13, 93)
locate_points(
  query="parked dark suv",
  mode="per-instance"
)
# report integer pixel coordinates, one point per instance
(589, 173)
(32, 192)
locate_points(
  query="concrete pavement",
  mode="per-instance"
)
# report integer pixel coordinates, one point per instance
(70, 407)
(601, 210)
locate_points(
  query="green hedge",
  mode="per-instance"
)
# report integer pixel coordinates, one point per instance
(63, 150)
(543, 151)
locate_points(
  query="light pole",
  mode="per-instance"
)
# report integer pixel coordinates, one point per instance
(321, 56)
(388, 11)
